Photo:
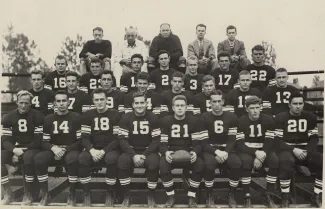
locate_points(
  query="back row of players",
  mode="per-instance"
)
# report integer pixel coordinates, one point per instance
(215, 138)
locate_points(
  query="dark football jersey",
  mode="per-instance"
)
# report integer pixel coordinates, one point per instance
(43, 101)
(262, 76)
(153, 102)
(22, 129)
(225, 80)
(61, 130)
(160, 79)
(222, 131)
(185, 134)
(88, 82)
(203, 102)
(193, 83)
(127, 82)
(235, 100)
(276, 99)
(99, 129)
(55, 81)
(79, 102)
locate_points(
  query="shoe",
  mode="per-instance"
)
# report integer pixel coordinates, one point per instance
(126, 202)
(210, 199)
(192, 202)
(170, 201)
(109, 200)
(7, 194)
(247, 201)
(316, 200)
(269, 200)
(46, 198)
(285, 200)
(71, 201)
(87, 200)
(27, 199)
(151, 201)
(231, 200)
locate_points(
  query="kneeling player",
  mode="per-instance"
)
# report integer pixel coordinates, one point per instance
(254, 144)
(218, 149)
(21, 140)
(297, 134)
(181, 132)
(61, 136)
(99, 130)
(139, 139)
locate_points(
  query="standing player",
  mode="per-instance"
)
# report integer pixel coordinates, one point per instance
(262, 75)
(139, 139)
(21, 140)
(42, 97)
(254, 147)
(61, 140)
(276, 98)
(181, 132)
(225, 77)
(235, 99)
(127, 81)
(218, 149)
(79, 101)
(203, 98)
(160, 77)
(56, 80)
(297, 134)
(153, 98)
(192, 80)
(99, 130)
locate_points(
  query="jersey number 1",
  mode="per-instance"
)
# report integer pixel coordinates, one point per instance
(252, 132)
(176, 130)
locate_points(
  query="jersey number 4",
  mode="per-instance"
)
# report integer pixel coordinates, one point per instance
(35, 101)
(62, 127)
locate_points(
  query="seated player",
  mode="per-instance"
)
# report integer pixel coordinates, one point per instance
(192, 80)
(255, 138)
(276, 98)
(99, 131)
(56, 80)
(160, 77)
(21, 141)
(139, 139)
(79, 101)
(42, 97)
(97, 48)
(61, 146)
(235, 99)
(219, 147)
(167, 96)
(181, 132)
(226, 77)
(153, 98)
(127, 82)
(297, 138)
(262, 75)
(203, 98)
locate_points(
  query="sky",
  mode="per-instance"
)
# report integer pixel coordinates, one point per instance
(296, 28)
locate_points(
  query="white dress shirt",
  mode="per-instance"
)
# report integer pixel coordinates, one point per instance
(126, 51)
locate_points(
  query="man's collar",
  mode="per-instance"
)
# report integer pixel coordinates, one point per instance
(129, 46)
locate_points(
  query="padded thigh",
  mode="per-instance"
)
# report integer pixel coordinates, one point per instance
(85, 158)
(246, 160)
(43, 158)
(112, 157)
(272, 160)
(6, 157)
(210, 162)
(125, 162)
(71, 157)
(29, 155)
(152, 162)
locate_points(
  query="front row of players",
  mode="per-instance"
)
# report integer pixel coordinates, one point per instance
(140, 139)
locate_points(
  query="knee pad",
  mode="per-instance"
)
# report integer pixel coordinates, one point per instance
(125, 162)
(85, 159)
(71, 158)
(111, 158)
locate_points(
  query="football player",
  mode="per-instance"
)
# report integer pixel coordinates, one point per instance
(61, 140)
(297, 134)
(99, 131)
(181, 132)
(127, 81)
(218, 149)
(255, 140)
(21, 141)
(203, 98)
(139, 139)
(42, 97)
(276, 98)
(235, 99)
(56, 80)
(192, 80)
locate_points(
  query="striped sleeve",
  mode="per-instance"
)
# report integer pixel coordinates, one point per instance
(313, 132)
(155, 132)
(124, 89)
(48, 87)
(272, 82)
(278, 132)
(228, 108)
(156, 110)
(269, 134)
(84, 89)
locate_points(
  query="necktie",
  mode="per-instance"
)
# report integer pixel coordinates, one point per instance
(201, 51)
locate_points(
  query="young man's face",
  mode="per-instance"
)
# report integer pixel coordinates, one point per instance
(224, 63)
(281, 79)
(177, 83)
(142, 85)
(136, 64)
(37, 81)
(258, 56)
(72, 82)
(23, 104)
(139, 105)
(245, 81)
(231, 33)
(98, 35)
(192, 66)
(60, 65)
(165, 31)
(179, 107)
(99, 101)
(216, 102)
(208, 87)
(95, 68)
(106, 81)
(200, 32)
(297, 105)
(254, 111)
(163, 60)
(61, 102)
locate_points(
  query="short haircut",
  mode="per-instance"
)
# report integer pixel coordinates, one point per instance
(217, 92)
(296, 94)
(24, 93)
(192, 57)
(137, 56)
(201, 25)
(131, 29)
(165, 24)
(37, 72)
(61, 92)
(231, 27)
(178, 75)
(244, 72)
(143, 76)
(107, 72)
(252, 100)
(61, 57)
(224, 54)
(139, 94)
(162, 52)
(258, 48)
(179, 97)
(95, 60)
(72, 73)
(281, 70)
(99, 29)
(98, 91)
(208, 78)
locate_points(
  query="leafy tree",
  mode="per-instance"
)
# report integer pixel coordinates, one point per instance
(270, 55)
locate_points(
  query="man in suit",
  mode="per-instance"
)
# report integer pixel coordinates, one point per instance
(235, 48)
(203, 49)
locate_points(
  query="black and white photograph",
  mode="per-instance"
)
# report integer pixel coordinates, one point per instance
(162, 104)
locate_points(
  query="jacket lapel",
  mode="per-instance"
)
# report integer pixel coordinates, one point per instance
(236, 48)
(196, 47)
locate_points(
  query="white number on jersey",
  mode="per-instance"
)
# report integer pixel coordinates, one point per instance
(208, 105)
(101, 124)
(262, 75)
(300, 124)
(285, 98)
(176, 130)
(63, 127)
(22, 125)
(164, 80)
(224, 80)
(149, 104)
(218, 126)
(132, 82)
(193, 85)
(259, 130)
(241, 102)
(110, 102)
(59, 83)
(35, 101)
(93, 83)
(143, 125)
(72, 100)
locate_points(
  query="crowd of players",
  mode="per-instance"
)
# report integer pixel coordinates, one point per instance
(237, 119)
